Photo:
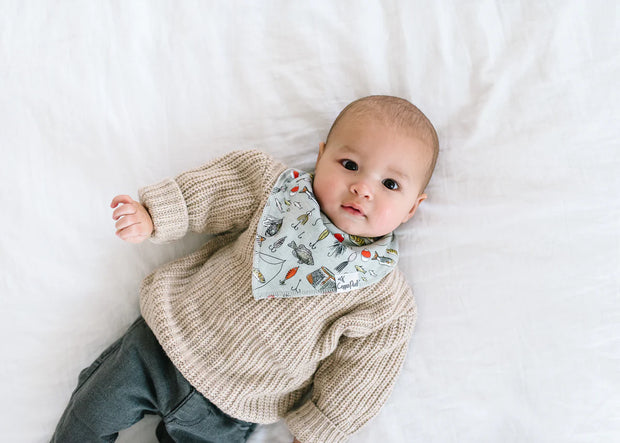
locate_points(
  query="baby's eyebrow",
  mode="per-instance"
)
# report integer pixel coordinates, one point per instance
(346, 149)
(399, 174)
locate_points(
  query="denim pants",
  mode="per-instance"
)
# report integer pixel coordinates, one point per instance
(134, 377)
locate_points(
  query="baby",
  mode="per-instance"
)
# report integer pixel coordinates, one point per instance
(294, 309)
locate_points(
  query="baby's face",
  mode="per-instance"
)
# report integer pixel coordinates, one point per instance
(369, 177)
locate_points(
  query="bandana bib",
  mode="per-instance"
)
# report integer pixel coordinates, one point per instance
(300, 252)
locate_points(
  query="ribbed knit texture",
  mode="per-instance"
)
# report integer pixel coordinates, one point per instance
(256, 359)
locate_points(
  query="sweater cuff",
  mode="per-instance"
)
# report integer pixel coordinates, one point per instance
(167, 208)
(309, 425)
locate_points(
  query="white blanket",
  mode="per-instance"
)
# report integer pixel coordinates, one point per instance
(514, 258)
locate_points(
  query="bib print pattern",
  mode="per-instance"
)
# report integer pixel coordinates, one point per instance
(300, 252)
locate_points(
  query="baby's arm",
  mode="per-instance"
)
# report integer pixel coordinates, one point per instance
(134, 223)
(220, 196)
(352, 384)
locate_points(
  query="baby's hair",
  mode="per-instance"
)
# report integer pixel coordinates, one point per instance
(396, 111)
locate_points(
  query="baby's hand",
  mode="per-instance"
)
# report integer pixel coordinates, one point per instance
(135, 224)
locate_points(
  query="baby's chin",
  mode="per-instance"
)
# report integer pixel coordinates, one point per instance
(354, 225)
(359, 232)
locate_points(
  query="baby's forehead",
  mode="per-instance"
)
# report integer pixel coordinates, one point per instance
(421, 138)
(405, 123)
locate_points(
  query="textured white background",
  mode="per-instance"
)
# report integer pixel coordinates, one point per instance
(514, 258)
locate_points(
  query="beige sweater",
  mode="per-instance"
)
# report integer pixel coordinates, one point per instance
(257, 359)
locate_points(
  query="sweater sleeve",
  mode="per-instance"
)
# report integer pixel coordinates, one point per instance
(219, 196)
(352, 384)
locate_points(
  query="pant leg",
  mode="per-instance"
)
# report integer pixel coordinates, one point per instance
(134, 377)
(131, 378)
(197, 420)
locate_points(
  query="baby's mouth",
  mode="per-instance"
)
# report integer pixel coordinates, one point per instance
(353, 209)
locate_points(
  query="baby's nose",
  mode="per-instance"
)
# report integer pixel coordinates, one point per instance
(361, 189)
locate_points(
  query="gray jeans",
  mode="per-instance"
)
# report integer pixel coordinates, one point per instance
(134, 377)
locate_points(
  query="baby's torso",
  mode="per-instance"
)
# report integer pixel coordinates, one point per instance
(255, 358)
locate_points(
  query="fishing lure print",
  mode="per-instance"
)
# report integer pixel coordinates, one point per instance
(360, 241)
(277, 244)
(273, 225)
(323, 236)
(344, 264)
(310, 194)
(338, 247)
(278, 189)
(260, 239)
(259, 276)
(291, 273)
(296, 288)
(279, 205)
(302, 219)
(384, 260)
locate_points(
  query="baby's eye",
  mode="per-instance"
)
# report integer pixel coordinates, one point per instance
(390, 184)
(349, 164)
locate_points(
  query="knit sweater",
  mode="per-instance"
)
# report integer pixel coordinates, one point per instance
(257, 360)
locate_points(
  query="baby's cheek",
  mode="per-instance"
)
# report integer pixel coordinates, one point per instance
(387, 219)
(318, 192)
(322, 190)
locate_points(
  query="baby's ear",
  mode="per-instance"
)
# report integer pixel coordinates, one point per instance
(320, 154)
(415, 206)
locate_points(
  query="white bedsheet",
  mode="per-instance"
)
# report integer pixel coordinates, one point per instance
(514, 258)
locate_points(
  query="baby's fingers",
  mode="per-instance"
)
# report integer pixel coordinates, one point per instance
(133, 234)
(127, 221)
(121, 199)
(124, 210)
